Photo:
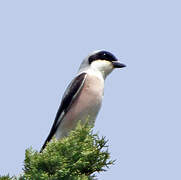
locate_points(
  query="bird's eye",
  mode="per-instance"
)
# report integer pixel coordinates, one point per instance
(107, 56)
(102, 55)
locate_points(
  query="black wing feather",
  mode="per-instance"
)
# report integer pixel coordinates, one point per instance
(72, 90)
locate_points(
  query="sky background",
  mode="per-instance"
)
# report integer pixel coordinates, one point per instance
(42, 44)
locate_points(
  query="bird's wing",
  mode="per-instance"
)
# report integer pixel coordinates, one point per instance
(69, 96)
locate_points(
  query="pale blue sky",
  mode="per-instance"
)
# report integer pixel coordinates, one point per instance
(42, 44)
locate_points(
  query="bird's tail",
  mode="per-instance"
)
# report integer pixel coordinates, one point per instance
(47, 140)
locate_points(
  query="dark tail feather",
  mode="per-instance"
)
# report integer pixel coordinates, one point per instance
(47, 140)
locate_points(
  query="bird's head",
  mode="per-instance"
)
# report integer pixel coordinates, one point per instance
(102, 61)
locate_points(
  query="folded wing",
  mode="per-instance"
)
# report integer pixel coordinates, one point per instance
(69, 96)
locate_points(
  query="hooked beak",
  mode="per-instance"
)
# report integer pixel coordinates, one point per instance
(117, 64)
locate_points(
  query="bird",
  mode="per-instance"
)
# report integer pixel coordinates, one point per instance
(83, 96)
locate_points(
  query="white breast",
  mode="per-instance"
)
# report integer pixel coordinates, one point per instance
(86, 105)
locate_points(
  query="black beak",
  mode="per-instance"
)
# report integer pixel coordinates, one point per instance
(117, 64)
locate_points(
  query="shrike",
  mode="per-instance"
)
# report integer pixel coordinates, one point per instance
(83, 96)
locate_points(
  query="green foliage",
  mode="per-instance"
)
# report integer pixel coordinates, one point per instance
(5, 177)
(76, 157)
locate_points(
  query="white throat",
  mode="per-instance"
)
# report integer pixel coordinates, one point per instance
(104, 67)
